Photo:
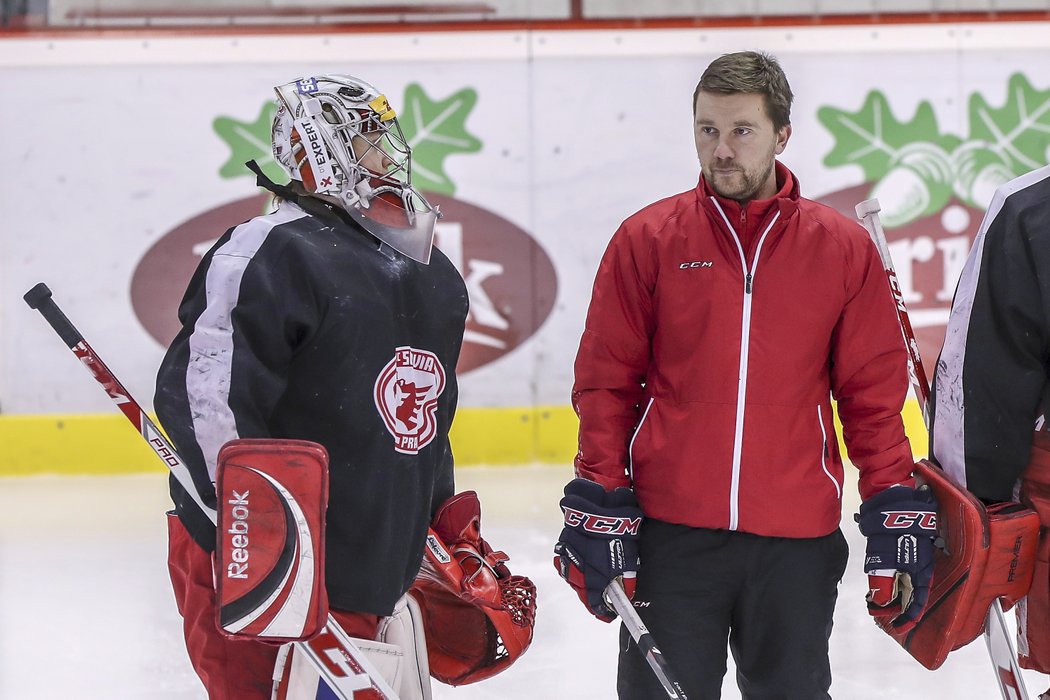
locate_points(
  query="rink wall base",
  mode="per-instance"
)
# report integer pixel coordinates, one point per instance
(106, 444)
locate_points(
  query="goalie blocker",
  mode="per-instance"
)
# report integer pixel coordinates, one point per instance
(987, 554)
(269, 569)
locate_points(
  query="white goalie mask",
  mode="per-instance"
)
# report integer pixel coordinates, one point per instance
(340, 138)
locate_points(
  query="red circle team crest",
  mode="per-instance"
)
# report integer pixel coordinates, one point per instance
(406, 394)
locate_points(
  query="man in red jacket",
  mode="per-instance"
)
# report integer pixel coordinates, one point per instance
(722, 323)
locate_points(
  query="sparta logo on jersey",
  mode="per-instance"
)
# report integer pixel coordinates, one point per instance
(406, 394)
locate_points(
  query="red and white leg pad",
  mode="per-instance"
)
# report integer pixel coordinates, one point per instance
(398, 654)
(404, 631)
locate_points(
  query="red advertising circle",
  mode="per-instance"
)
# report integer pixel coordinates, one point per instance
(510, 279)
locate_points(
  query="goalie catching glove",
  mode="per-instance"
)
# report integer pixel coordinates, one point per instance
(477, 616)
(598, 543)
(901, 526)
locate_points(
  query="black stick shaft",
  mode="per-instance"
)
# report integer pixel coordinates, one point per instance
(39, 298)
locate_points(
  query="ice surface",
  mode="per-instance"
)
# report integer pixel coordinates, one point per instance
(86, 609)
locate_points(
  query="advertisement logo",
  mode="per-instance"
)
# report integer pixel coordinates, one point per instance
(510, 278)
(934, 186)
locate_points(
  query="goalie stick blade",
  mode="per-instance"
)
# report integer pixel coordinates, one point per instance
(1004, 660)
(617, 598)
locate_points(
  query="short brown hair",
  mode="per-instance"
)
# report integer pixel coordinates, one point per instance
(750, 72)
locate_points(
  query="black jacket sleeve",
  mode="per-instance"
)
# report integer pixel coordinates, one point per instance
(990, 385)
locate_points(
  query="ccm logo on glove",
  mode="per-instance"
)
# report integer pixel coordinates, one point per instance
(904, 519)
(601, 525)
(901, 526)
(599, 542)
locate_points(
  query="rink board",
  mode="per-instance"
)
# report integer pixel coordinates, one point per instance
(562, 135)
(106, 444)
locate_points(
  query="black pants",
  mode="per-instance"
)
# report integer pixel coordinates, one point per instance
(770, 599)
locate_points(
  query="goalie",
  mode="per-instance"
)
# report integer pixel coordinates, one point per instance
(330, 321)
(992, 383)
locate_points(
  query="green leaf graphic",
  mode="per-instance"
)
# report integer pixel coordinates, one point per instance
(873, 138)
(1019, 131)
(434, 130)
(247, 141)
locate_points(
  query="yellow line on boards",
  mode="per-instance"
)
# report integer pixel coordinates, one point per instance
(107, 443)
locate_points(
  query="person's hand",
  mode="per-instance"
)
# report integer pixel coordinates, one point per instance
(901, 526)
(598, 543)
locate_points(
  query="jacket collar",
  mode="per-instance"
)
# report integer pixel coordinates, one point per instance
(786, 199)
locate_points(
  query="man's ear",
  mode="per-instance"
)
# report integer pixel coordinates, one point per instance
(782, 139)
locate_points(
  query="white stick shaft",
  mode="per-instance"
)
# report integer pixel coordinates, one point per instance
(868, 212)
(1001, 651)
(617, 598)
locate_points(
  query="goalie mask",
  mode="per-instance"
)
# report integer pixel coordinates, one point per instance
(477, 616)
(340, 138)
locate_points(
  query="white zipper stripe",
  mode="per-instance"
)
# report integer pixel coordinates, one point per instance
(630, 447)
(738, 435)
(823, 451)
(745, 338)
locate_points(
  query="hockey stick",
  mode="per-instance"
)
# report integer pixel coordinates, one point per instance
(868, 213)
(337, 659)
(617, 598)
(1000, 648)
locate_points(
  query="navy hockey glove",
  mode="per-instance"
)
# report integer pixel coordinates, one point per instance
(598, 543)
(901, 526)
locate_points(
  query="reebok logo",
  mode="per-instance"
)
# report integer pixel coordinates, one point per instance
(695, 264)
(238, 568)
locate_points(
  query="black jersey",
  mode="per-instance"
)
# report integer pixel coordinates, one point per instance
(991, 385)
(298, 324)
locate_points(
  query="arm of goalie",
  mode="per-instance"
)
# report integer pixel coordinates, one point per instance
(478, 617)
(269, 569)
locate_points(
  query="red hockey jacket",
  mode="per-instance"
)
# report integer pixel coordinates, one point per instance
(706, 369)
